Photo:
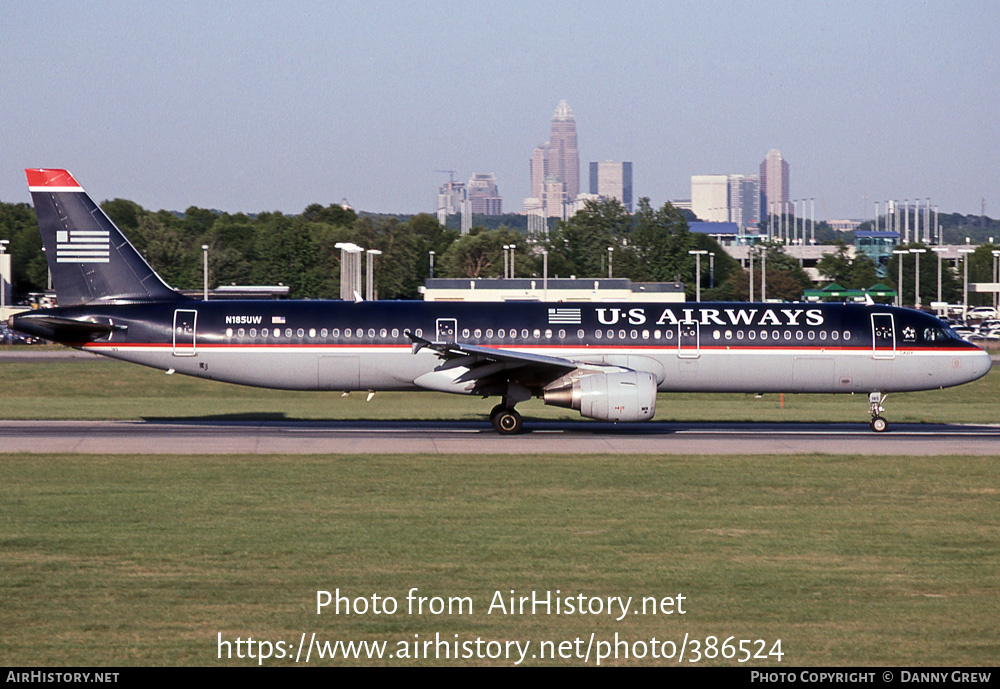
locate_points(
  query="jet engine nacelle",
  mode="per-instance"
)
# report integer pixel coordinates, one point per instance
(621, 396)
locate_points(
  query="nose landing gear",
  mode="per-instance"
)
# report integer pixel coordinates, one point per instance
(875, 400)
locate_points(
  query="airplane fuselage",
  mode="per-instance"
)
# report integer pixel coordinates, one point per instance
(712, 347)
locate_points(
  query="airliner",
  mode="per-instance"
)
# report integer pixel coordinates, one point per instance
(608, 361)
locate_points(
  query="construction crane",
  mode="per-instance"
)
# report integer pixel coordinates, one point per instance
(450, 172)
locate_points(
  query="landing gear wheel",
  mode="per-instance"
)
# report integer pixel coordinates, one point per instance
(875, 400)
(506, 421)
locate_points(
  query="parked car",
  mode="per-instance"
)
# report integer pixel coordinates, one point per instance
(982, 312)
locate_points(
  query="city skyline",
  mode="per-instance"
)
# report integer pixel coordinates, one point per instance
(257, 108)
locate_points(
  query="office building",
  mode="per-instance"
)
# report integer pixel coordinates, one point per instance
(710, 197)
(484, 197)
(559, 159)
(612, 180)
(774, 194)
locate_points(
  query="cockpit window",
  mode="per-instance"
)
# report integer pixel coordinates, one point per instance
(938, 334)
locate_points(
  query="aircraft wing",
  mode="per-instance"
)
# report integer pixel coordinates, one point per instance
(491, 371)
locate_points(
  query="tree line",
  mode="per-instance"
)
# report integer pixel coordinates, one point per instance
(270, 248)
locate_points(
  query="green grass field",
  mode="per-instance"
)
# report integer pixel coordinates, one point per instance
(849, 561)
(145, 560)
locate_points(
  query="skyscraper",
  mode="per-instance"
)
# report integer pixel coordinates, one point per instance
(612, 180)
(564, 158)
(484, 196)
(744, 200)
(558, 158)
(774, 195)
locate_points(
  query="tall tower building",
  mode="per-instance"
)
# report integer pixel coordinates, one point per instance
(539, 169)
(484, 196)
(744, 200)
(557, 158)
(564, 158)
(774, 193)
(612, 180)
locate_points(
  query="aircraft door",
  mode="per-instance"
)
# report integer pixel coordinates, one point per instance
(689, 340)
(447, 329)
(883, 336)
(185, 322)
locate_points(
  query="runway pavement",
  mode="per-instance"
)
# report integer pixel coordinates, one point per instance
(478, 438)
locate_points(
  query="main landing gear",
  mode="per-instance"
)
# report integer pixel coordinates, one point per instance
(505, 420)
(875, 400)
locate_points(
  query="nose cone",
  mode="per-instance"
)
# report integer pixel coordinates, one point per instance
(979, 365)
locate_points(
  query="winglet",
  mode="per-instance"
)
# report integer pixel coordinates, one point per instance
(43, 179)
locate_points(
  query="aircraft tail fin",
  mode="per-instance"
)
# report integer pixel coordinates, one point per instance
(90, 259)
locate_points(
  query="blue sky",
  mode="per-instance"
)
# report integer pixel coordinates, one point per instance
(251, 106)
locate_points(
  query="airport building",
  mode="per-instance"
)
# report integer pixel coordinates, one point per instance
(552, 289)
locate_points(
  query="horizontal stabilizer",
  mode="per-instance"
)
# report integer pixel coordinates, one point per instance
(59, 329)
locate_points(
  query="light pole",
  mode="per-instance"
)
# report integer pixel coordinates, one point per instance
(512, 247)
(711, 270)
(204, 250)
(611, 253)
(965, 282)
(506, 264)
(996, 277)
(750, 255)
(916, 276)
(697, 253)
(763, 274)
(430, 256)
(939, 250)
(5, 274)
(545, 275)
(899, 282)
